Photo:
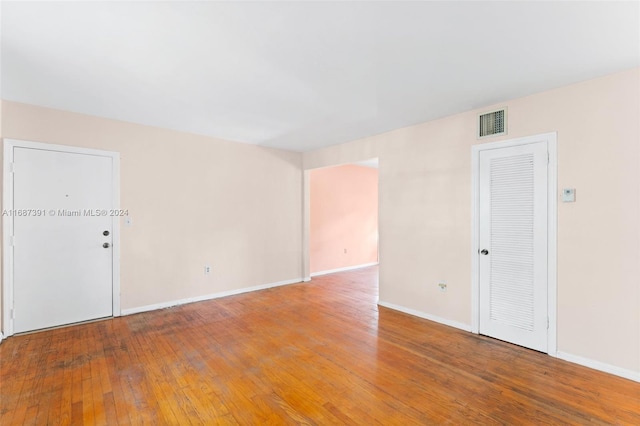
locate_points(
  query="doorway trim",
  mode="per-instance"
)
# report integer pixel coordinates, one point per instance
(552, 230)
(7, 225)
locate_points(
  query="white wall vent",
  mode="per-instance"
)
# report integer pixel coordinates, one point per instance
(493, 123)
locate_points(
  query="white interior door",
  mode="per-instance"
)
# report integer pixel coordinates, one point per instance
(513, 209)
(62, 259)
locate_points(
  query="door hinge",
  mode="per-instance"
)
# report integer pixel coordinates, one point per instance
(548, 157)
(12, 241)
(13, 313)
(12, 167)
(547, 323)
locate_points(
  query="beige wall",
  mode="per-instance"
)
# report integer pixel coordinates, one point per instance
(425, 211)
(194, 201)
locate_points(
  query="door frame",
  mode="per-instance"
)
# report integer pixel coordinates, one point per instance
(7, 225)
(552, 229)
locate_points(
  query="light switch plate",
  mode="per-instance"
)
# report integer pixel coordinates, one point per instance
(568, 195)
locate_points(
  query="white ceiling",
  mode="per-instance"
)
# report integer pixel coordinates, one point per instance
(302, 75)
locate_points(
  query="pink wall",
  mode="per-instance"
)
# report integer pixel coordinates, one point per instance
(344, 215)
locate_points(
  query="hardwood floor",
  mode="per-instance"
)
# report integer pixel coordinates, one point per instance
(314, 353)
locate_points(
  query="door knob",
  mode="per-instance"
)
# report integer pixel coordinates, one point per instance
(106, 245)
(484, 251)
(105, 233)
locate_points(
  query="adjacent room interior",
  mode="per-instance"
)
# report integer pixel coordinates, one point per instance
(343, 217)
(320, 212)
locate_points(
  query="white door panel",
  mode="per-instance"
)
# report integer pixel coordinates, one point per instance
(513, 243)
(62, 272)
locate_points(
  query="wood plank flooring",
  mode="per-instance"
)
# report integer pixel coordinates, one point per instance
(316, 353)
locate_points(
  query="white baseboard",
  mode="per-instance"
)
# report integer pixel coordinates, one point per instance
(597, 365)
(586, 362)
(450, 323)
(346, 268)
(171, 303)
(1, 337)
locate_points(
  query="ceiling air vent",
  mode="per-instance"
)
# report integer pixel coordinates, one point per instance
(492, 123)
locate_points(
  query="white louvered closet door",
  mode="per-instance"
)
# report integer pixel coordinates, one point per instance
(513, 244)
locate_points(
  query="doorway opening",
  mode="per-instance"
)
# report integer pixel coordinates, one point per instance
(341, 218)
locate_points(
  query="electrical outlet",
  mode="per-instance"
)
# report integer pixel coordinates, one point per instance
(207, 269)
(443, 286)
(568, 195)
